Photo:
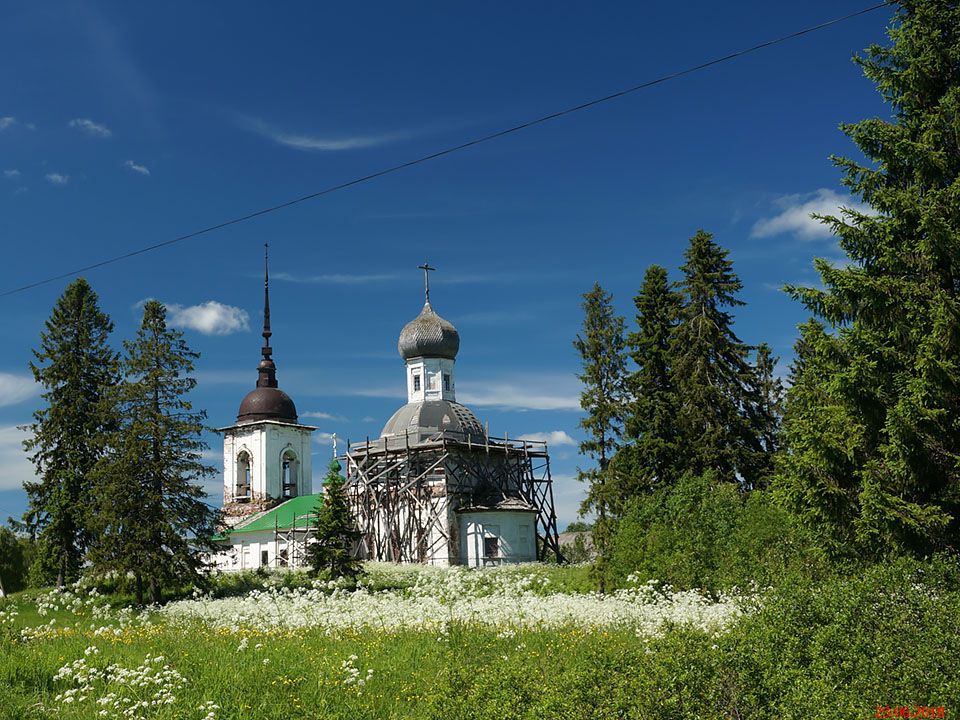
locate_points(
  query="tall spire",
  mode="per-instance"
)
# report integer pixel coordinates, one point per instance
(426, 279)
(267, 369)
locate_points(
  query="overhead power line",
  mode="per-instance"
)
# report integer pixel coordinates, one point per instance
(450, 150)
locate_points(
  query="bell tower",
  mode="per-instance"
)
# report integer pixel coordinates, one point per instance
(266, 453)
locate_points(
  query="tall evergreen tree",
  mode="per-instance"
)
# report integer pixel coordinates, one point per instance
(875, 436)
(650, 460)
(716, 384)
(337, 533)
(602, 352)
(769, 411)
(152, 518)
(75, 366)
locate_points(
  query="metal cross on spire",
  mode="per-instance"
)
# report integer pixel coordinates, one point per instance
(426, 278)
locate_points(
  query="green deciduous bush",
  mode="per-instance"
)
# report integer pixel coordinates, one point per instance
(704, 534)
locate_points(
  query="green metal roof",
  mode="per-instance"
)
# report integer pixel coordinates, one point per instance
(299, 510)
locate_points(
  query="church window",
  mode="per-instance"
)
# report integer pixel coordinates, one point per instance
(446, 381)
(416, 383)
(288, 477)
(264, 558)
(243, 476)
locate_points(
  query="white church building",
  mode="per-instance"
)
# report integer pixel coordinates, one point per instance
(433, 488)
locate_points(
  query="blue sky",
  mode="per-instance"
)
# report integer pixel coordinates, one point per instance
(123, 124)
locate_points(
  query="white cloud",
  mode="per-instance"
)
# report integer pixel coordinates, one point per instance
(7, 122)
(391, 391)
(553, 437)
(91, 128)
(315, 143)
(568, 493)
(15, 467)
(322, 415)
(336, 279)
(142, 169)
(795, 215)
(541, 392)
(58, 178)
(545, 392)
(13, 173)
(16, 388)
(209, 318)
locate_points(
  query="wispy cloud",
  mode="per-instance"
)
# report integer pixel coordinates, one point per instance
(544, 392)
(7, 121)
(209, 318)
(13, 173)
(322, 415)
(16, 388)
(390, 391)
(795, 216)
(58, 178)
(334, 279)
(16, 466)
(568, 493)
(541, 392)
(320, 143)
(552, 437)
(142, 169)
(91, 128)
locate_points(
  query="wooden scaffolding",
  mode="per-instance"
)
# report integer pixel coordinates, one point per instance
(405, 495)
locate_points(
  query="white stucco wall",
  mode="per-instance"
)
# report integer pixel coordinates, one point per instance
(245, 551)
(431, 372)
(515, 531)
(266, 442)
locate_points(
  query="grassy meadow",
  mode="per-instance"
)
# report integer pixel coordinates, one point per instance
(523, 642)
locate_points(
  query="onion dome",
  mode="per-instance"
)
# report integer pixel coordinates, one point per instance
(428, 335)
(267, 401)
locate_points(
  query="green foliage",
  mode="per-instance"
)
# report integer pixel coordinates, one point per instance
(578, 526)
(75, 366)
(602, 353)
(875, 437)
(650, 458)
(704, 534)
(13, 567)
(842, 647)
(332, 555)
(814, 648)
(151, 516)
(722, 416)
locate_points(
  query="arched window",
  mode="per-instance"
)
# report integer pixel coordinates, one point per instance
(288, 473)
(243, 477)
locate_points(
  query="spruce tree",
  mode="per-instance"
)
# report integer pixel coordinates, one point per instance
(602, 353)
(152, 518)
(337, 534)
(650, 460)
(716, 385)
(875, 443)
(75, 366)
(769, 410)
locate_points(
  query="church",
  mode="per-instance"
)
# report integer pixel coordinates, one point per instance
(434, 488)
